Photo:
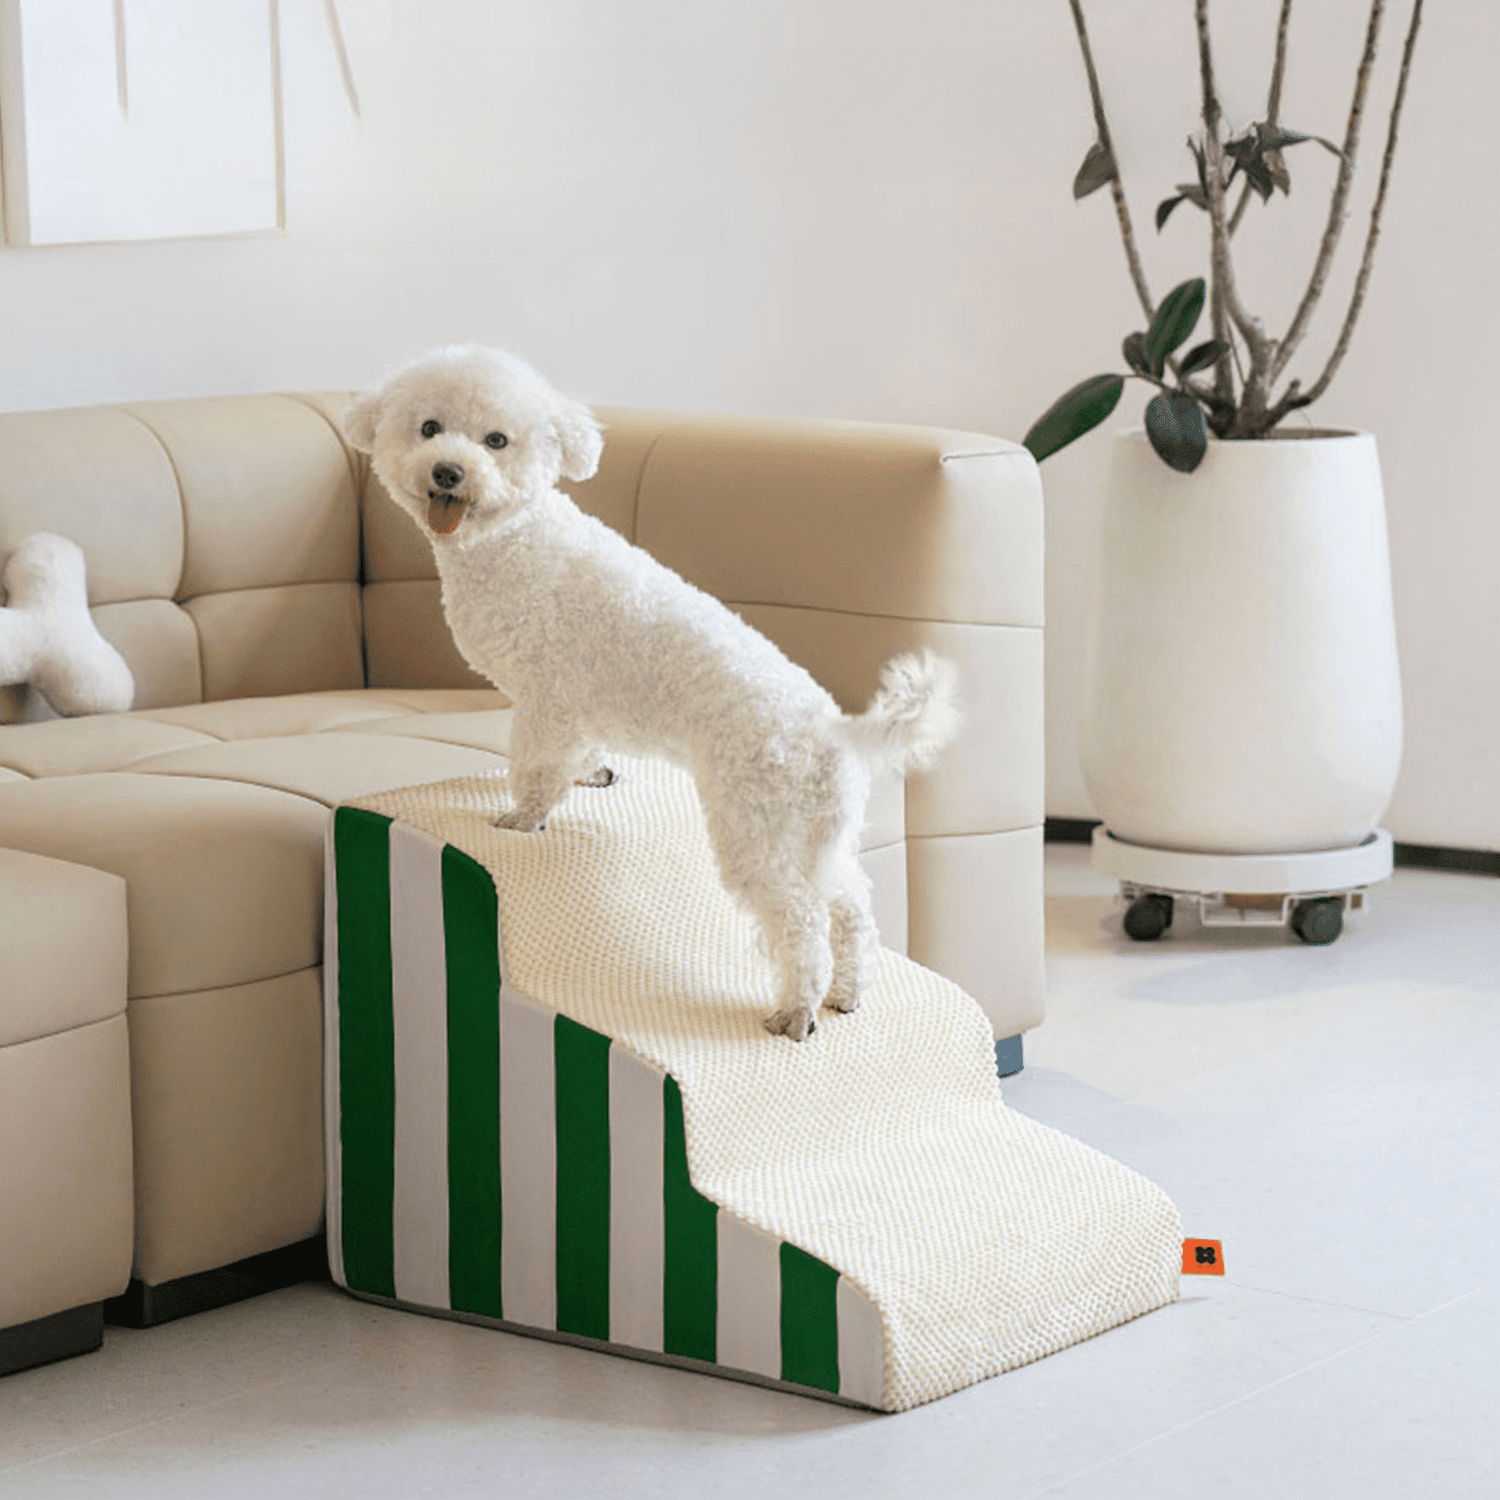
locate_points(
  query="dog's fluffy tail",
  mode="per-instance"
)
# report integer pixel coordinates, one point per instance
(912, 716)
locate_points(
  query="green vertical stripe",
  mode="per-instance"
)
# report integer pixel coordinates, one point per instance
(690, 1275)
(367, 1049)
(581, 1060)
(809, 1320)
(472, 943)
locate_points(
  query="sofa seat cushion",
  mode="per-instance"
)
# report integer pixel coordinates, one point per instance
(117, 742)
(100, 742)
(261, 718)
(328, 768)
(428, 700)
(312, 713)
(483, 730)
(223, 879)
(214, 813)
(62, 944)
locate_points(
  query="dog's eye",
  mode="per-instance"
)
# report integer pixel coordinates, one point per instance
(431, 428)
(496, 440)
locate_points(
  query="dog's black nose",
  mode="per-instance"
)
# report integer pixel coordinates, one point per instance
(447, 476)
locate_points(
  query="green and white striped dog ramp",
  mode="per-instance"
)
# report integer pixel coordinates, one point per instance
(552, 1106)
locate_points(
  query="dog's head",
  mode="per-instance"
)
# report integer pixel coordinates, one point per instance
(466, 438)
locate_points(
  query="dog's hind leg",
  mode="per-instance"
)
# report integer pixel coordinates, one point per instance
(853, 938)
(795, 921)
(593, 770)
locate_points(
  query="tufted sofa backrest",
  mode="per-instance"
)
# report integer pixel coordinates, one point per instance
(236, 547)
(221, 537)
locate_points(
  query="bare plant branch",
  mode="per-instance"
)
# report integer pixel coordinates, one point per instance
(1278, 69)
(1261, 350)
(1225, 368)
(1240, 207)
(1234, 350)
(1116, 189)
(1223, 375)
(1338, 209)
(1273, 104)
(1372, 238)
(1211, 109)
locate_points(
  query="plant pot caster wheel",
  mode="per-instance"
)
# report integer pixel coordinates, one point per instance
(1148, 916)
(1319, 921)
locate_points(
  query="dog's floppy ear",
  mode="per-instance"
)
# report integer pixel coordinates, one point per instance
(361, 420)
(580, 440)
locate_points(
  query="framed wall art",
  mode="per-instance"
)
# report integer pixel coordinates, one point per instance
(139, 119)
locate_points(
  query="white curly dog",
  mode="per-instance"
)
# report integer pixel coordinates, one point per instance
(600, 647)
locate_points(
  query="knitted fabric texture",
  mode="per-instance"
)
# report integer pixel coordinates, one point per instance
(881, 1145)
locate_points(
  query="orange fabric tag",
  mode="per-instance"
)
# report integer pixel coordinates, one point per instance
(1202, 1258)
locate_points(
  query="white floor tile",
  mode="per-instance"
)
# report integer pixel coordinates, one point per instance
(1410, 1411)
(444, 1408)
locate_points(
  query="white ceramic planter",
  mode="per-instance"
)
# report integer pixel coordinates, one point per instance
(1244, 695)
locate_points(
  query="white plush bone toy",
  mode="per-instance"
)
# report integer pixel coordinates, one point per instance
(47, 636)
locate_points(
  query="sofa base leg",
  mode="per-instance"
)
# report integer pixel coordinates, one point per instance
(143, 1306)
(1009, 1059)
(79, 1330)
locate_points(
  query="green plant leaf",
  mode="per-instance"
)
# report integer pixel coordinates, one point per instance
(1174, 320)
(1073, 414)
(1258, 153)
(1262, 179)
(1175, 426)
(1275, 164)
(1250, 153)
(1274, 140)
(1098, 169)
(1187, 192)
(1201, 356)
(1242, 147)
(1134, 350)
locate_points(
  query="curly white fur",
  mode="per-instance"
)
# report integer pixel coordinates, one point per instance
(49, 639)
(603, 648)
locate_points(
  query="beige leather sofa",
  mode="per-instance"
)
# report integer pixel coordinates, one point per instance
(160, 870)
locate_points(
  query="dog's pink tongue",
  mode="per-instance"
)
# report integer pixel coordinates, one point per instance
(444, 512)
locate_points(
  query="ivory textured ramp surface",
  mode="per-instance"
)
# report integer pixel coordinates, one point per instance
(626, 1154)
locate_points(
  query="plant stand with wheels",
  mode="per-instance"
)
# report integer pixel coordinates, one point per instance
(1309, 892)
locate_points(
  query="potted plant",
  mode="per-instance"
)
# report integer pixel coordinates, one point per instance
(1243, 695)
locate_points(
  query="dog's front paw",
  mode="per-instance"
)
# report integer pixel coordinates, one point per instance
(604, 776)
(795, 1021)
(516, 821)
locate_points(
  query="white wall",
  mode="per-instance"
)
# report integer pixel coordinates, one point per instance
(855, 210)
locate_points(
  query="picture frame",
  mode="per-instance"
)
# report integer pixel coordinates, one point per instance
(139, 119)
